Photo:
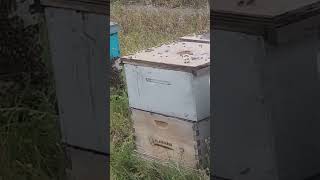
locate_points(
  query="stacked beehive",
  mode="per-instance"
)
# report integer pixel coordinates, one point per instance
(169, 95)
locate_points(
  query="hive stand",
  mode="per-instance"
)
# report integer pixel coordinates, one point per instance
(78, 38)
(265, 89)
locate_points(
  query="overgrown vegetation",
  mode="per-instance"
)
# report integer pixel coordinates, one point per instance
(29, 138)
(167, 3)
(140, 29)
(143, 27)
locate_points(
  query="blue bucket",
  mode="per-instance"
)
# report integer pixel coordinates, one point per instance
(114, 41)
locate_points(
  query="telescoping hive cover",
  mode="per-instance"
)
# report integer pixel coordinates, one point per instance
(265, 17)
(185, 56)
(262, 8)
(93, 6)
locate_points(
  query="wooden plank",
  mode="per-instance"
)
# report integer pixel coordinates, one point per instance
(169, 139)
(77, 44)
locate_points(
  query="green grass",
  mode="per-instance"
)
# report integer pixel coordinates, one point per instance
(29, 137)
(140, 29)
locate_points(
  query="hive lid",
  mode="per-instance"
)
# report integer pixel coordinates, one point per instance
(183, 56)
(114, 27)
(92, 6)
(261, 8)
(201, 38)
(262, 17)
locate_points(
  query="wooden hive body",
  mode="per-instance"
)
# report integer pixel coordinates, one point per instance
(170, 139)
(267, 127)
(78, 53)
(272, 132)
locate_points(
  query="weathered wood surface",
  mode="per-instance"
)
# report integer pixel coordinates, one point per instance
(170, 139)
(240, 128)
(271, 19)
(85, 165)
(91, 6)
(263, 8)
(266, 117)
(174, 93)
(182, 55)
(200, 38)
(79, 57)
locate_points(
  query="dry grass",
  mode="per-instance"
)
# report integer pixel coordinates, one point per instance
(143, 27)
(167, 3)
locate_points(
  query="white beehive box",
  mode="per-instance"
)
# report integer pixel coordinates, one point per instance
(172, 80)
(164, 138)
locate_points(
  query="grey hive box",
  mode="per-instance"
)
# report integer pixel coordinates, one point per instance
(78, 38)
(172, 80)
(266, 92)
(77, 42)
